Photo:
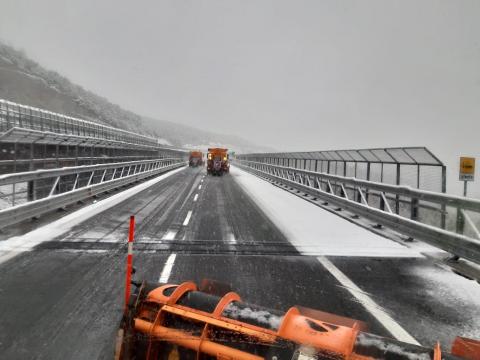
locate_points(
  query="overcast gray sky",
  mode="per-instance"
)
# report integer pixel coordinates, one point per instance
(295, 75)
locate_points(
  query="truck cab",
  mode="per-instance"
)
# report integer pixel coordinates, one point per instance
(195, 159)
(218, 161)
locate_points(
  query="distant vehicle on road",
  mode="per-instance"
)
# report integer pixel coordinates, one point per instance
(217, 161)
(196, 159)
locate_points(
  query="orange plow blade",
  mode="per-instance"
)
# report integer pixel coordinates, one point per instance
(166, 321)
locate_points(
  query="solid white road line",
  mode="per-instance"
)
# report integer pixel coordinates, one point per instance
(187, 219)
(195, 197)
(386, 320)
(167, 269)
(170, 235)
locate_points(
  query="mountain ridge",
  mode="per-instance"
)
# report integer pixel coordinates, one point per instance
(25, 81)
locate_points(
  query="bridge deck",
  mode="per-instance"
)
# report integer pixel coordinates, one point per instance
(63, 298)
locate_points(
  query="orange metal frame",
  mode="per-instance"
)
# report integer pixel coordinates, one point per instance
(332, 338)
(310, 331)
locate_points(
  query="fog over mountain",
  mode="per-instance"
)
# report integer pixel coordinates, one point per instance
(25, 81)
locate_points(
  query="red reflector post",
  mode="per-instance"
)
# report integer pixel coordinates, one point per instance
(128, 277)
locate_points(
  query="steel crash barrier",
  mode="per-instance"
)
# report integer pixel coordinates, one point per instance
(37, 192)
(355, 195)
(15, 116)
(33, 138)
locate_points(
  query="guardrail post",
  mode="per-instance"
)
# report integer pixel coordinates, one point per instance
(460, 226)
(414, 209)
(56, 155)
(13, 194)
(8, 118)
(357, 196)
(444, 190)
(397, 198)
(31, 195)
(368, 179)
(76, 155)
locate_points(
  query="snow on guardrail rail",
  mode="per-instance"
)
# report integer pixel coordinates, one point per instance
(56, 188)
(353, 195)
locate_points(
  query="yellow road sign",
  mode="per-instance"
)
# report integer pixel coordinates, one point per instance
(467, 168)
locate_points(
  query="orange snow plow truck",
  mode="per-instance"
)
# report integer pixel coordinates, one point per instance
(196, 159)
(217, 161)
(170, 321)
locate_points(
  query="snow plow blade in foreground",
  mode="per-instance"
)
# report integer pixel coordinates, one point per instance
(169, 322)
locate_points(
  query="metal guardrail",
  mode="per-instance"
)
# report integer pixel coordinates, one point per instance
(415, 155)
(355, 195)
(31, 138)
(13, 115)
(86, 160)
(414, 166)
(52, 189)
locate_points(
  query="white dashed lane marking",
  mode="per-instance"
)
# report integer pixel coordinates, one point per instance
(170, 235)
(187, 219)
(231, 238)
(167, 269)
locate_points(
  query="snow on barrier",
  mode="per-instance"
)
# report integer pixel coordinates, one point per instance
(351, 194)
(58, 188)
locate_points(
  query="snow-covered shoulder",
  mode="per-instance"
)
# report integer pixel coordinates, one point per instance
(313, 230)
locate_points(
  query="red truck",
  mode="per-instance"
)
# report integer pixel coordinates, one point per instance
(196, 159)
(217, 161)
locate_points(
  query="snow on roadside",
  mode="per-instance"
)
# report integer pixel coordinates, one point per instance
(450, 288)
(17, 244)
(312, 230)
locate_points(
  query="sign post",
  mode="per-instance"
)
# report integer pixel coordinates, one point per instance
(467, 171)
(466, 174)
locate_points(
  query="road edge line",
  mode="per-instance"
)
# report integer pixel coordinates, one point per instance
(393, 327)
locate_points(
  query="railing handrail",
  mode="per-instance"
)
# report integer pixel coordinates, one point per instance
(455, 243)
(79, 191)
(402, 190)
(71, 127)
(80, 121)
(325, 155)
(19, 177)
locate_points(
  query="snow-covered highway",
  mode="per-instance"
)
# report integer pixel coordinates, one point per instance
(270, 246)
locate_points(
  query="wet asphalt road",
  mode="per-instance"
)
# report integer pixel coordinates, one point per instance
(64, 298)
